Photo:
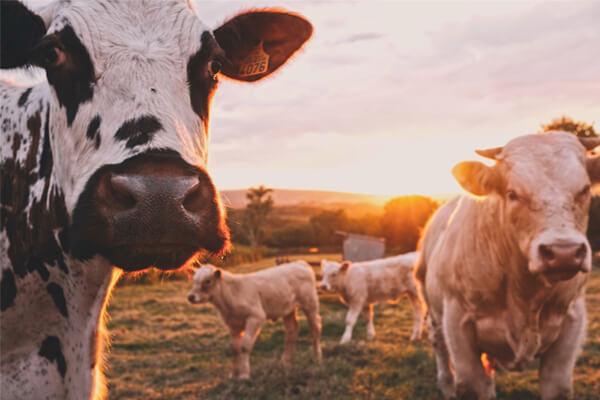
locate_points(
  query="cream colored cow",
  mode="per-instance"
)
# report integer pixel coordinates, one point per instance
(361, 284)
(504, 273)
(246, 301)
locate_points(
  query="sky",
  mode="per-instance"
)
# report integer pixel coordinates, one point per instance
(388, 96)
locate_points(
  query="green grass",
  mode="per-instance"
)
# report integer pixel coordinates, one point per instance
(164, 348)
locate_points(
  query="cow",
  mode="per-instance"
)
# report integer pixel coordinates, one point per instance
(246, 301)
(503, 268)
(104, 165)
(362, 284)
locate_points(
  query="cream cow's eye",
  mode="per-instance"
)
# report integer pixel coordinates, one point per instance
(512, 195)
(585, 192)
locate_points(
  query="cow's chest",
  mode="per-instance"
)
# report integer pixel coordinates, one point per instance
(514, 339)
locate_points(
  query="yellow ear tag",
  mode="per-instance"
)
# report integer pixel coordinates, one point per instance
(256, 63)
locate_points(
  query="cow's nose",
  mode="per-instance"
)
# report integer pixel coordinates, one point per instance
(166, 193)
(151, 210)
(191, 298)
(562, 256)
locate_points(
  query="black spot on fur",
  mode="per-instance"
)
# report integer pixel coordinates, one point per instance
(73, 80)
(59, 298)
(35, 264)
(51, 349)
(31, 235)
(93, 126)
(8, 290)
(46, 157)
(201, 86)
(20, 31)
(93, 131)
(23, 98)
(138, 131)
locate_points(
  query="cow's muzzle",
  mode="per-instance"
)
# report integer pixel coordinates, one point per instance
(152, 210)
(562, 259)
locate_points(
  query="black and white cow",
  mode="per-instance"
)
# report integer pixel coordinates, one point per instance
(105, 165)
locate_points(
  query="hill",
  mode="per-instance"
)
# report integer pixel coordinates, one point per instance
(282, 197)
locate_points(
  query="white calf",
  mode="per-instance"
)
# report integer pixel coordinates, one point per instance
(246, 301)
(362, 284)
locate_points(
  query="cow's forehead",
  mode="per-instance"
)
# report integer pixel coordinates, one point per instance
(203, 272)
(150, 27)
(330, 266)
(555, 159)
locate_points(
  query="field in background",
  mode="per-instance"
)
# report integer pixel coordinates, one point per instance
(164, 348)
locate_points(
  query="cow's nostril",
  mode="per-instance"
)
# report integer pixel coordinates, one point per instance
(546, 252)
(191, 298)
(121, 192)
(195, 199)
(581, 252)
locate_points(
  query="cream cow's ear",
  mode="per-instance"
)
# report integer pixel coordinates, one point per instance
(475, 177)
(344, 267)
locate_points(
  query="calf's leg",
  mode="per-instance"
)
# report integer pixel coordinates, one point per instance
(236, 350)
(290, 323)
(368, 314)
(314, 325)
(251, 331)
(557, 363)
(353, 311)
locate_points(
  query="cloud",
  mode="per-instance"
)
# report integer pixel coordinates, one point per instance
(360, 37)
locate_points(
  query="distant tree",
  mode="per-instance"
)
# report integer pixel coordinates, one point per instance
(260, 204)
(325, 225)
(403, 219)
(582, 129)
(567, 124)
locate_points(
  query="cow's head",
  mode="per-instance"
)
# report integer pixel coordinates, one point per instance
(543, 185)
(206, 279)
(333, 274)
(131, 85)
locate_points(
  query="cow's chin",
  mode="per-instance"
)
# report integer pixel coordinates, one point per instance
(560, 275)
(556, 275)
(136, 258)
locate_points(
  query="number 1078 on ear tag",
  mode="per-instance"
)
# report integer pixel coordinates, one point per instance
(256, 63)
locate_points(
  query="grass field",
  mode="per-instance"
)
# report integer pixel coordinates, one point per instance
(164, 348)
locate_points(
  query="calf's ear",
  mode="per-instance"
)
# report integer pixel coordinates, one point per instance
(20, 31)
(344, 267)
(258, 42)
(475, 177)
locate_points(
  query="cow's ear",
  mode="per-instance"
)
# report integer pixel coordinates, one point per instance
(475, 177)
(20, 31)
(593, 169)
(258, 42)
(345, 265)
(217, 273)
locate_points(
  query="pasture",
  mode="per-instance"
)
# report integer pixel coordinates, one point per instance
(164, 348)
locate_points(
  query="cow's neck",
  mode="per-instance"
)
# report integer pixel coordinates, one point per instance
(52, 305)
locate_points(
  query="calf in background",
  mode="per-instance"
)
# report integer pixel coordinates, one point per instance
(246, 301)
(362, 284)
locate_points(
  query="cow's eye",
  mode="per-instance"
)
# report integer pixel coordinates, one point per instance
(512, 195)
(584, 192)
(50, 57)
(215, 67)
